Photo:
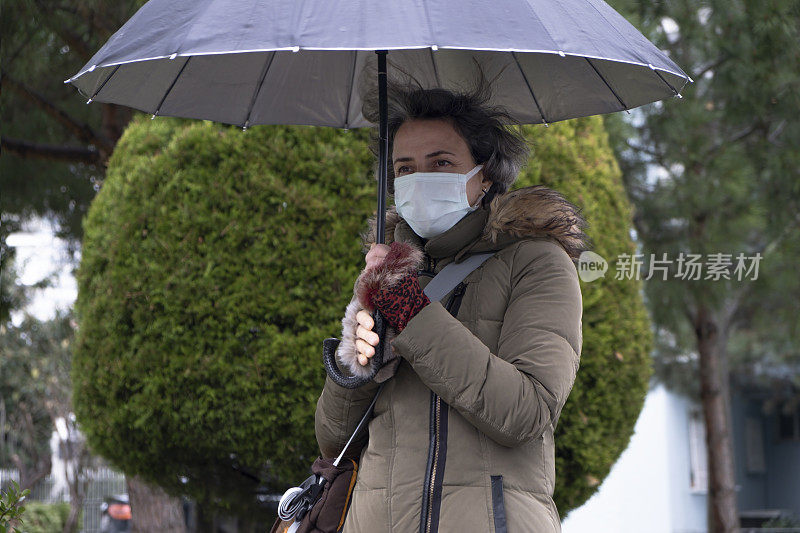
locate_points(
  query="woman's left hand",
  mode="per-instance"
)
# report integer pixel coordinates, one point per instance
(389, 283)
(401, 302)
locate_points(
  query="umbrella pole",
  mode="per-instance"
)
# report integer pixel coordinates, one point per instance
(329, 346)
(383, 156)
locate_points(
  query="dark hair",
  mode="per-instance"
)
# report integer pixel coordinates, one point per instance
(486, 129)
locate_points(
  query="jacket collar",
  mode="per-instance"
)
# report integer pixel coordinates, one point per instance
(526, 213)
(452, 241)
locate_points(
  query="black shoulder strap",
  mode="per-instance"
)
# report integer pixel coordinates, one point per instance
(453, 274)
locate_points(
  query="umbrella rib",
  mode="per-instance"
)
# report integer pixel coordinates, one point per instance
(171, 86)
(434, 42)
(103, 84)
(528, 83)
(677, 93)
(625, 107)
(264, 71)
(350, 92)
(435, 70)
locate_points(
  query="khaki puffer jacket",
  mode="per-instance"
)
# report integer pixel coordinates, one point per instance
(461, 437)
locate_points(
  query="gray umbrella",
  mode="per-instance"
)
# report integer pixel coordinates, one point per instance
(288, 62)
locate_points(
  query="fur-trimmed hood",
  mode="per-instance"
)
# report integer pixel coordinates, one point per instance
(534, 211)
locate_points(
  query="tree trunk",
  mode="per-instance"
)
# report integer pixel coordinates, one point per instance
(153, 510)
(28, 477)
(71, 525)
(77, 495)
(722, 508)
(249, 525)
(76, 458)
(204, 521)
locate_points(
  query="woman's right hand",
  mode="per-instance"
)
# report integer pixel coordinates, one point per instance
(366, 338)
(377, 253)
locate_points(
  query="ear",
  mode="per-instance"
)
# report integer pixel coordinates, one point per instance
(491, 192)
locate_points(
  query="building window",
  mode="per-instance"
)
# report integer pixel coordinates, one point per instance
(789, 421)
(754, 445)
(698, 460)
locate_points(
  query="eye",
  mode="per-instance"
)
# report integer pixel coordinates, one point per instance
(442, 163)
(404, 169)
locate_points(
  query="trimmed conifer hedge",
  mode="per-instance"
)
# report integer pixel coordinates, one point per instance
(596, 424)
(215, 262)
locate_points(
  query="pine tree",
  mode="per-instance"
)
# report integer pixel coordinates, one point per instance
(717, 172)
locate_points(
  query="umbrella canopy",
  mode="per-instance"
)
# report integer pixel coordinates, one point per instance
(288, 62)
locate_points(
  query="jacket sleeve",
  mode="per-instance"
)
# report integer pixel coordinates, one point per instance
(339, 409)
(513, 395)
(338, 412)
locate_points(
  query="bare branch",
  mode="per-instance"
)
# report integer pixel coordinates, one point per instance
(733, 139)
(66, 8)
(746, 288)
(651, 153)
(711, 66)
(28, 478)
(81, 130)
(56, 25)
(50, 151)
(24, 43)
(101, 25)
(777, 131)
(659, 157)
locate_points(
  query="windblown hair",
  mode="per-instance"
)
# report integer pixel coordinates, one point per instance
(486, 129)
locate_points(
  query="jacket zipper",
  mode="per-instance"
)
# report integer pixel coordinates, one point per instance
(432, 479)
(434, 447)
(430, 265)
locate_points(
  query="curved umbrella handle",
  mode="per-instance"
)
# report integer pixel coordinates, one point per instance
(376, 361)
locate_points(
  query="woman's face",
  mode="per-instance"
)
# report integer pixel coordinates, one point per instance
(433, 145)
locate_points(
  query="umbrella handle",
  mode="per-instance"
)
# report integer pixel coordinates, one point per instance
(376, 361)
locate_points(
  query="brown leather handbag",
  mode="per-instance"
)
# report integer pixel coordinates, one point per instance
(320, 503)
(330, 509)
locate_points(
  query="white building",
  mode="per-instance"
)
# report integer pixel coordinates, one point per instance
(659, 484)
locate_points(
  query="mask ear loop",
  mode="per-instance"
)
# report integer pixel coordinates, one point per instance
(489, 195)
(474, 171)
(470, 175)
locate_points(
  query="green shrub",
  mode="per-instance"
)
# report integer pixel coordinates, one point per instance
(45, 517)
(202, 234)
(11, 508)
(214, 264)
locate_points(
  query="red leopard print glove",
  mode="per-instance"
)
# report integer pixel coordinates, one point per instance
(392, 285)
(401, 302)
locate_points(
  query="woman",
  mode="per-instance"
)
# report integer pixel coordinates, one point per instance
(461, 437)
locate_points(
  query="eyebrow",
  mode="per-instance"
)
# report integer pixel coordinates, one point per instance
(432, 154)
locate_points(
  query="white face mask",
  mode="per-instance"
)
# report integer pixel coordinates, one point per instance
(432, 202)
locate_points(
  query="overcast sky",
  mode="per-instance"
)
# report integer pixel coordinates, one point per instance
(41, 255)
